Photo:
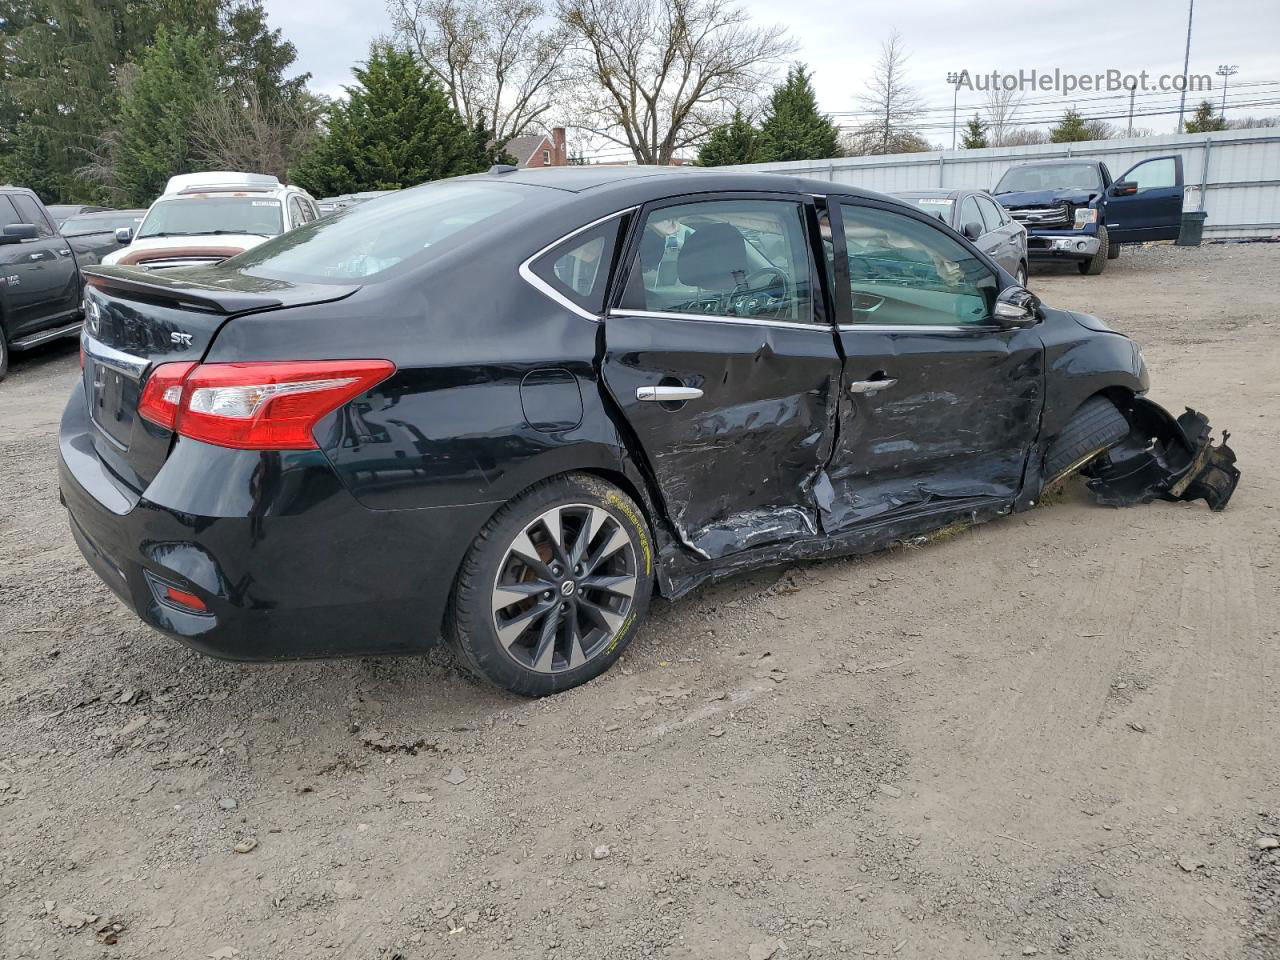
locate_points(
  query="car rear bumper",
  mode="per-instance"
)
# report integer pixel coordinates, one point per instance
(305, 571)
(1052, 246)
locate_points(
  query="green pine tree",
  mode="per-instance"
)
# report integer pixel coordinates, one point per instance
(63, 65)
(1204, 120)
(975, 135)
(256, 57)
(1070, 128)
(793, 128)
(177, 76)
(395, 129)
(737, 141)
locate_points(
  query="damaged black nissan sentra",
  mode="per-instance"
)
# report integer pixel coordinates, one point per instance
(507, 408)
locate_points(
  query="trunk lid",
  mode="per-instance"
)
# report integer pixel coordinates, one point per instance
(134, 322)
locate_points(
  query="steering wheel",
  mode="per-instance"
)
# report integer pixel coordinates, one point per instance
(753, 298)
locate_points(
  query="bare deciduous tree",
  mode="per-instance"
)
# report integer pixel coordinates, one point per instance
(1001, 107)
(497, 59)
(245, 132)
(656, 76)
(889, 99)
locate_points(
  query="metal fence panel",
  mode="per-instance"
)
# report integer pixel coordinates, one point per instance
(1234, 174)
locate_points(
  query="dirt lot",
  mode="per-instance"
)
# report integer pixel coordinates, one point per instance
(1054, 734)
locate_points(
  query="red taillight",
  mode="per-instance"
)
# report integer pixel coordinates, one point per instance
(162, 395)
(255, 406)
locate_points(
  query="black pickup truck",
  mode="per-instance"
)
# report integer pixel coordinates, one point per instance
(1074, 210)
(40, 283)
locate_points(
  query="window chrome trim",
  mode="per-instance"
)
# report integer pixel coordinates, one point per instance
(715, 318)
(117, 360)
(918, 327)
(535, 281)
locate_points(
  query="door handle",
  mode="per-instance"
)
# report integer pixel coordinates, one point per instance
(1013, 239)
(668, 394)
(872, 386)
(65, 253)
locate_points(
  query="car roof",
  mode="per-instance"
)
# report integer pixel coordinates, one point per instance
(108, 214)
(913, 194)
(1052, 162)
(662, 181)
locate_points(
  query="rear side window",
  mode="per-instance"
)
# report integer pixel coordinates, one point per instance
(578, 268)
(30, 212)
(724, 258)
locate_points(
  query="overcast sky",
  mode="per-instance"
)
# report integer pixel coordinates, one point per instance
(840, 41)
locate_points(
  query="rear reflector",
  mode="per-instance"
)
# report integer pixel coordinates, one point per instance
(182, 598)
(255, 406)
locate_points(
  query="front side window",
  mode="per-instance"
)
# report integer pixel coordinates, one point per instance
(8, 213)
(197, 216)
(990, 215)
(1154, 174)
(31, 213)
(578, 268)
(724, 258)
(905, 272)
(969, 214)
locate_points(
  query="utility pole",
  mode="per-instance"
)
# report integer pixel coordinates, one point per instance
(1133, 88)
(1186, 64)
(1225, 71)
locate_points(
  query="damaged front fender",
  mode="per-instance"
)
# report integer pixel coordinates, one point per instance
(1165, 458)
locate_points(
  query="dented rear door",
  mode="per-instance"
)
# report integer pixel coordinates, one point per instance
(938, 404)
(721, 356)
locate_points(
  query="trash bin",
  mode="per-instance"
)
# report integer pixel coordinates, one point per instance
(1192, 228)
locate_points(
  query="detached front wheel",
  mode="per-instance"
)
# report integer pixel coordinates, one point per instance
(554, 588)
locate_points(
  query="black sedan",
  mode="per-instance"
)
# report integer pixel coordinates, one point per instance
(509, 407)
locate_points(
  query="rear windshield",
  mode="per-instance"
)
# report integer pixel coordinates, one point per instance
(363, 241)
(1050, 176)
(198, 216)
(98, 223)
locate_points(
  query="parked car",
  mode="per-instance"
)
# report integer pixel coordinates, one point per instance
(60, 212)
(203, 218)
(93, 235)
(511, 406)
(39, 277)
(1074, 210)
(977, 215)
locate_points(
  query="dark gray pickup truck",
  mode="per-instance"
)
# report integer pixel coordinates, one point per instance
(40, 284)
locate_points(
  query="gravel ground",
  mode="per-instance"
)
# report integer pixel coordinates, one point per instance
(1053, 734)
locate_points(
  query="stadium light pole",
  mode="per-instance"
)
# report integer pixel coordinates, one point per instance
(1186, 64)
(1225, 71)
(954, 79)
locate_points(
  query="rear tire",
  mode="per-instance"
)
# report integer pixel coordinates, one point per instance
(1095, 428)
(4, 352)
(1098, 262)
(554, 588)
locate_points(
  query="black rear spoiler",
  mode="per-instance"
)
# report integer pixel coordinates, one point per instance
(190, 293)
